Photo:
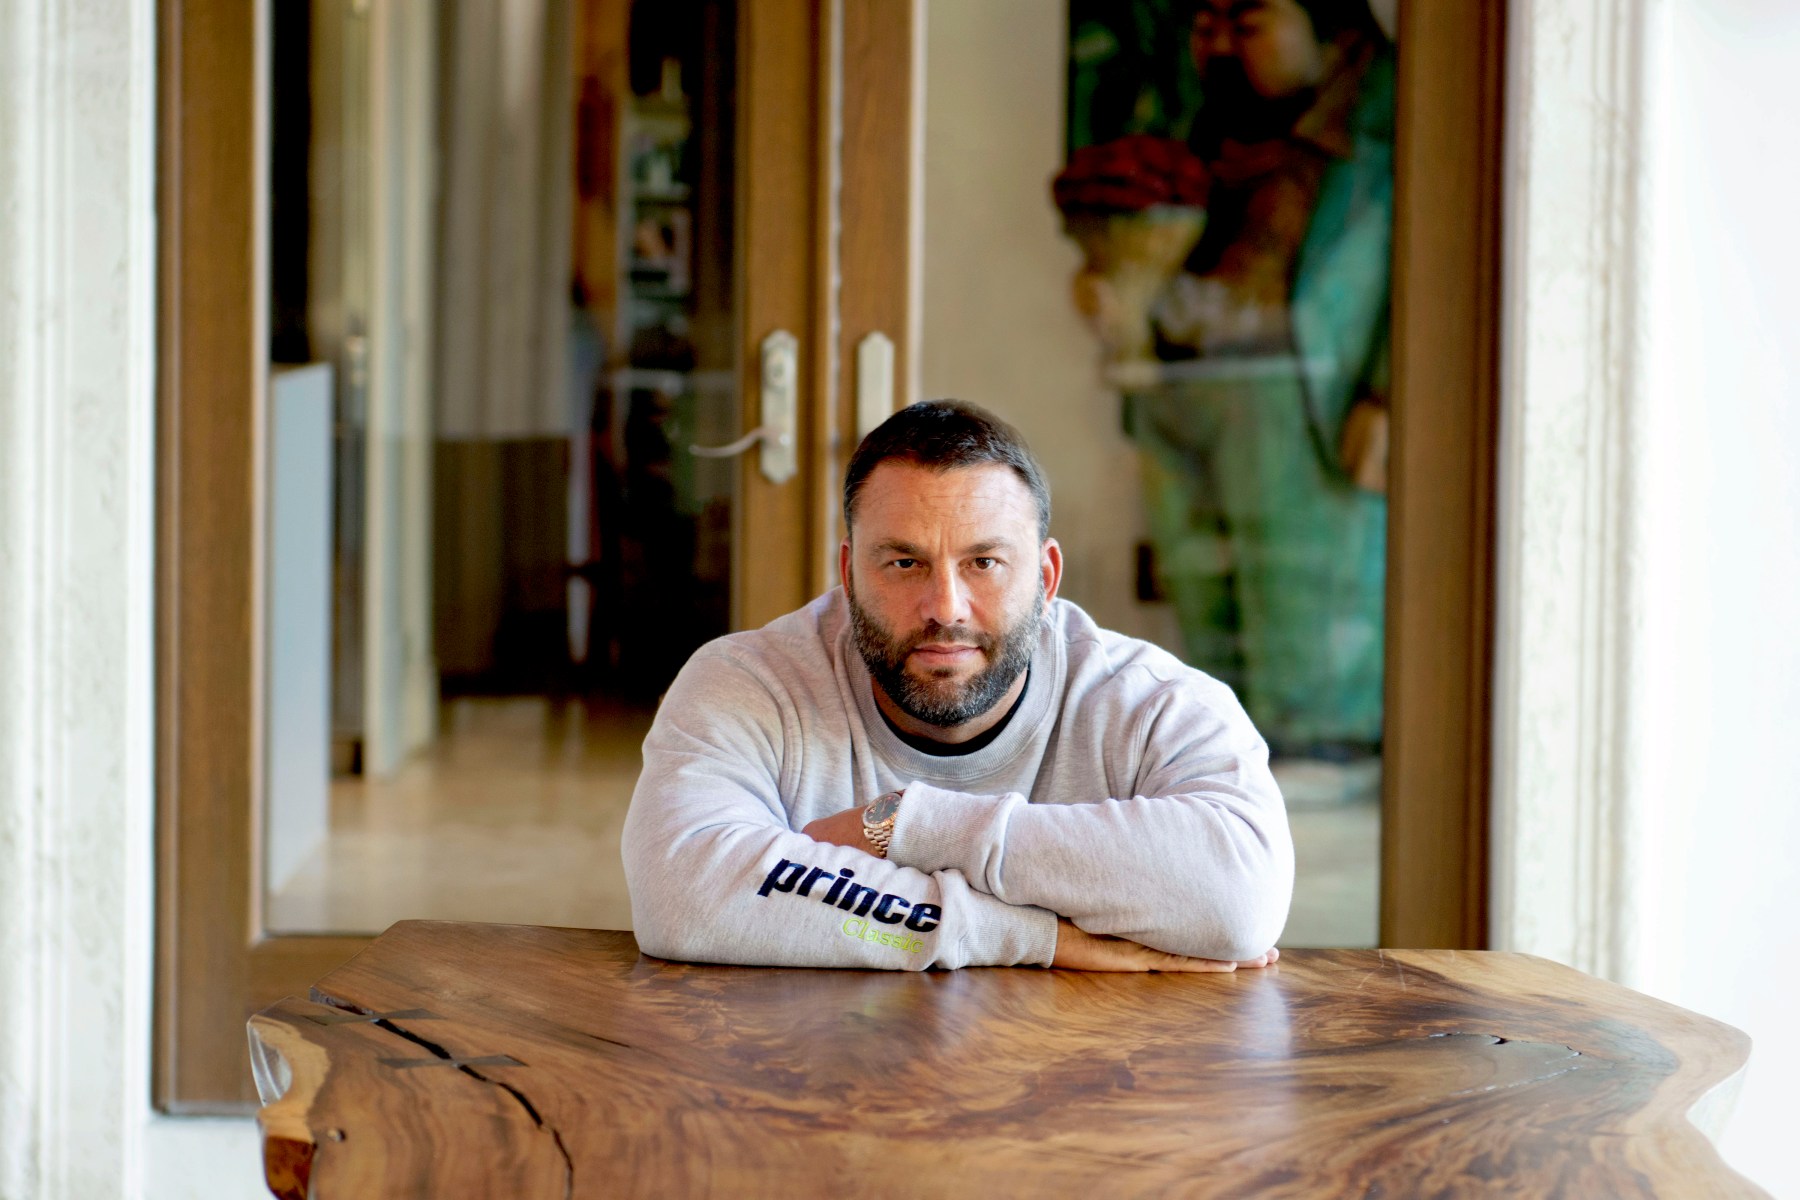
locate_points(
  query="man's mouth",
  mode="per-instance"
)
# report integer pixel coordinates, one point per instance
(946, 654)
(946, 650)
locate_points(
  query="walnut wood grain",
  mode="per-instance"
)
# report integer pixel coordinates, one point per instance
(1339, 1072)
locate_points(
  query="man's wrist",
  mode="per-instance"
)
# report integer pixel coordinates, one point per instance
(878, 822)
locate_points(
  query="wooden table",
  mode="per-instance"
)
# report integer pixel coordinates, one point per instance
(454, 1059)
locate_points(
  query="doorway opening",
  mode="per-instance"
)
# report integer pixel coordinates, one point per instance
(502, 304)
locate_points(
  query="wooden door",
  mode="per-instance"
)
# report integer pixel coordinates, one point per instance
(824, 153)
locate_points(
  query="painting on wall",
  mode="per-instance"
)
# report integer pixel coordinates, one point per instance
(1229, 180)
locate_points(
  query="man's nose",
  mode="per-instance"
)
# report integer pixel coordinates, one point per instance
(946, 599)
(1217, 42)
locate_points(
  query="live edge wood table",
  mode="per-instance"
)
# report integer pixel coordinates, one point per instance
(454, 1059)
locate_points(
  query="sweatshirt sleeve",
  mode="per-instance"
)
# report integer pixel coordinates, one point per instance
(717, 873)
(1198, 861)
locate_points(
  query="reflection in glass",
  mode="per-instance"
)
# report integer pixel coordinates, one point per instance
(1254, 364)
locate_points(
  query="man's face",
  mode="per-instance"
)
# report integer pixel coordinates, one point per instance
(947, 583)
(1271, 42)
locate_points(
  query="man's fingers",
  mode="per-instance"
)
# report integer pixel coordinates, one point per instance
(1176, 962)
(1079, 950)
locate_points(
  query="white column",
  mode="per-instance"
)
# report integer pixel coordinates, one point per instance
(77, 293)
(1572, 522)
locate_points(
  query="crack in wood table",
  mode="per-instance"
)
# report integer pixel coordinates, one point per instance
(458, 1059)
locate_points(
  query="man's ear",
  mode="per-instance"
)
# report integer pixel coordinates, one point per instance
(844, 564)
(1050, 562)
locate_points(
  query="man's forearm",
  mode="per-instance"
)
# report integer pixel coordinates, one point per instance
(1199, 874)
(756, 895)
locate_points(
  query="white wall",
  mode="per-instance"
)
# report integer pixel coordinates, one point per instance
(75, 430)
(1721, 683)
(999, 328)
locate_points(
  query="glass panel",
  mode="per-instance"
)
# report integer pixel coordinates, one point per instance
(502, 312)
(1216, 178)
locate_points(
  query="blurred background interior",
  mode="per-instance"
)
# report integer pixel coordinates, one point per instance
(501, 325)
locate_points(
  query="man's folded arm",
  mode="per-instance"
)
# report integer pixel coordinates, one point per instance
(1198, 862)
(717, 875)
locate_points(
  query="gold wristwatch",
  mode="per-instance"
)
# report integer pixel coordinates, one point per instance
(878, 822)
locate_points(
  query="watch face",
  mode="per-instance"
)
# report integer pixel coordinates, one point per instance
(883, 809)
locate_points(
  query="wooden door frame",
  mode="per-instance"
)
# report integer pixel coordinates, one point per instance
(215, 964)
(1440, 585)
(780, 242)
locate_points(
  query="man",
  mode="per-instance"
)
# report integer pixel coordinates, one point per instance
(942, 764)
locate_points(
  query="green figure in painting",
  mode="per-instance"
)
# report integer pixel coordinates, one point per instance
(1264, 430)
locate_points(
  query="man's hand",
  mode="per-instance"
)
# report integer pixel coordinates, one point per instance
(840, 829)
(1078, 950)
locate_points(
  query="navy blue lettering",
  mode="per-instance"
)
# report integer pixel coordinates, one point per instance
(924, 918)
(882, 907)
(777, 882)
(837, 885)
(851, 895)
(856, 898)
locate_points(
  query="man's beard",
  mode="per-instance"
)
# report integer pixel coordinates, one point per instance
(942, 702)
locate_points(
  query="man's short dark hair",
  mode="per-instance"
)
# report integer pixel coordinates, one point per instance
(941, 435)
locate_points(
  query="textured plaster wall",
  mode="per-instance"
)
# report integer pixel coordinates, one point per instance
(74, 594)
(998, 327)
(1568, 736)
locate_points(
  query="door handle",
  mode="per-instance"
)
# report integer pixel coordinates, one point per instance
(738, 447)
(874, 382)
(778, 386)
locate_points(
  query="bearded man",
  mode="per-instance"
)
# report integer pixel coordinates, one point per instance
(943, 764)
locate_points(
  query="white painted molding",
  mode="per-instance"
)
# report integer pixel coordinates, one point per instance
(20, 834)
(1568, 790)
(77, 279)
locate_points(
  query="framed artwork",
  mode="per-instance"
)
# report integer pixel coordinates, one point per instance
(1230, 181)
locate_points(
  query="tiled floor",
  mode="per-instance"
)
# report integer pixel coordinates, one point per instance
(515, 816)
(1336, 871)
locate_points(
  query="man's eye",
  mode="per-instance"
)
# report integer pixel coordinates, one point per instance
(905, 564)
(983, 564)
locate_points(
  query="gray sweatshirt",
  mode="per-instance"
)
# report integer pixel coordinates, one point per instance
(1128, 793)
